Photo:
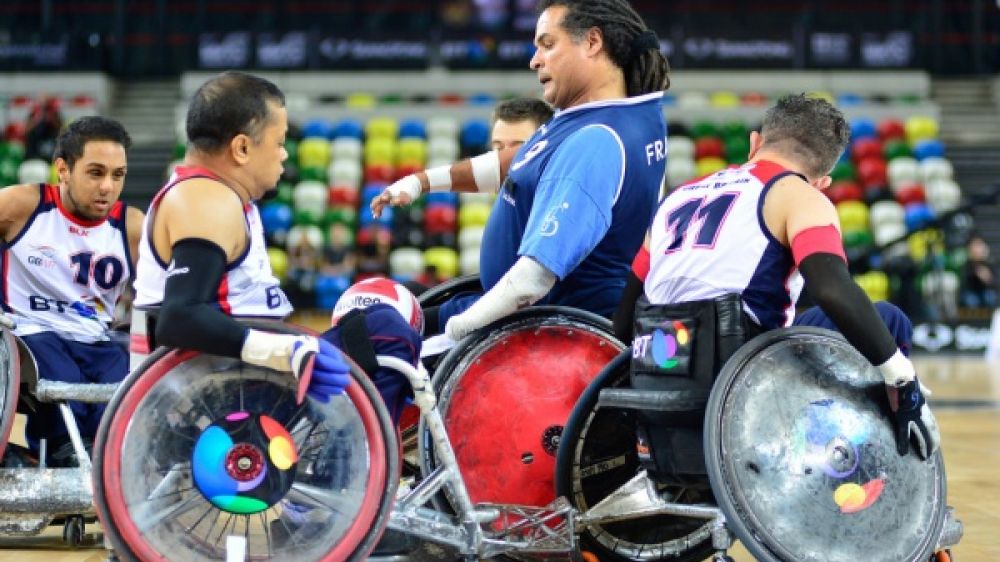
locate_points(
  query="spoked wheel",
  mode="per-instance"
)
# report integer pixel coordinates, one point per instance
(597, 456)
(203, 455)
(10, 383)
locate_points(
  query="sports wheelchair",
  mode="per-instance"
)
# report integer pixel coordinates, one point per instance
(208, 458)
(32, 498)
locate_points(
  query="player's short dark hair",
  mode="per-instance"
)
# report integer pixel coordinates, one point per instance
(74, 138)
(625, 40)
(232, 103)
(809, 129)
(523, 109)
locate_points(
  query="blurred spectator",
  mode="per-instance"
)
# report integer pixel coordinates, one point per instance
(514, 121)
(338, 257)
(979, 279)
(43, 126)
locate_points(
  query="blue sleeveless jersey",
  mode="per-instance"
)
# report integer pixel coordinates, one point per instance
(578, 198)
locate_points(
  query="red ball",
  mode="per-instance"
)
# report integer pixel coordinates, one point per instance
(866, 148)
(872, 172)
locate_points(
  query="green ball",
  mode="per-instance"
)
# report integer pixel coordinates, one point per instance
(306, 217)
(340, 215)
(737, 149)
(312, 173)
(735, 129)
(843, 171)
(857, 238)
(285, 191)
(896, 149)
(180, 148)
(292, 148)
(704, 129)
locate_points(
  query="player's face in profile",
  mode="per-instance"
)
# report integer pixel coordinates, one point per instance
(266, 157)
(96, 180)
(508, 134)
(557, 59)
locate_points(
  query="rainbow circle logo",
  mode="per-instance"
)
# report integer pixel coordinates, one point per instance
(665, 345)
(244, 463)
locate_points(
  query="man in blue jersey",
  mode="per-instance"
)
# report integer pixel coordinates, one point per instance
(575, 199)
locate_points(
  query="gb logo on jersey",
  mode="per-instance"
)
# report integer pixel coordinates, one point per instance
(531, 153)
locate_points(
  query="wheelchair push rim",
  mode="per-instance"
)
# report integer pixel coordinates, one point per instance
(596, 456)
(10, 370)
(802, 456)
(201, 449)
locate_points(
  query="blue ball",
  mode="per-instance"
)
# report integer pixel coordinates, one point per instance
(329, 288)
(917, 215)
(475, 133)
(928, 148)
(276, 217)
(349, 128)
(849, 100)
(412, 129)
(862, 128)
(321, 128)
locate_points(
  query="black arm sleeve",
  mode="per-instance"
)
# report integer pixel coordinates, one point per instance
(851, 310)
(188, 318)
(622, 320)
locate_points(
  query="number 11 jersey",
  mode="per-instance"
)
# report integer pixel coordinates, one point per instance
(708, 238)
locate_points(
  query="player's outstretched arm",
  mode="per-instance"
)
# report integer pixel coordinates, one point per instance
(482, 173)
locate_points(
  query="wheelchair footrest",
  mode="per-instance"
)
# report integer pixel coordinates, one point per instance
(45, 490)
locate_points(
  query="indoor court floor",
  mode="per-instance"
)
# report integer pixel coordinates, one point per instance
(966, 401)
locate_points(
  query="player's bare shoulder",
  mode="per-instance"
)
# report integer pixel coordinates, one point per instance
(203, 208)
(17, 202)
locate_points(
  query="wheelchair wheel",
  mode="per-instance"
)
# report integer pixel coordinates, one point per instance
(10, 384)
(505, 393)
(596, 456)
(802, 457)
(199, 450)
(440, 293)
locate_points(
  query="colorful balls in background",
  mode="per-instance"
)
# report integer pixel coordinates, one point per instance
(844, 190)
(843, 171)
(346, 172)
(709, 147)
(318, 128)
(329, 289)
(891, 129)
(704, 128)
(361, 100)
(903, 171)
(868, 147)
(406, 263)
(278, 259)
(412, 129)
(444, 260)
(33, 171)
(919, 128)
(928, 148)
(348, 128)
(724, 99)
(346, 148)
(872, 172)
(680, 170)
(381, 128)
(707, 166)
(314, 152)
(875, 284)
(679, 147)
(343, 195)
(896, 148)
(934, 168)
(863, 128)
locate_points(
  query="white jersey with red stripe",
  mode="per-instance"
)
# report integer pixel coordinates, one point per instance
(65, 274)
(708, 239)
(247, 289)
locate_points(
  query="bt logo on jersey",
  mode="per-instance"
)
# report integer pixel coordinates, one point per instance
(663, 345)
(78, 231)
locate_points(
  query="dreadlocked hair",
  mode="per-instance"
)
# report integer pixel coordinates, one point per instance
(645, 70)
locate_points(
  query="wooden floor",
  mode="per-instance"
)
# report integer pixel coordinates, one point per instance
(966, 401)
